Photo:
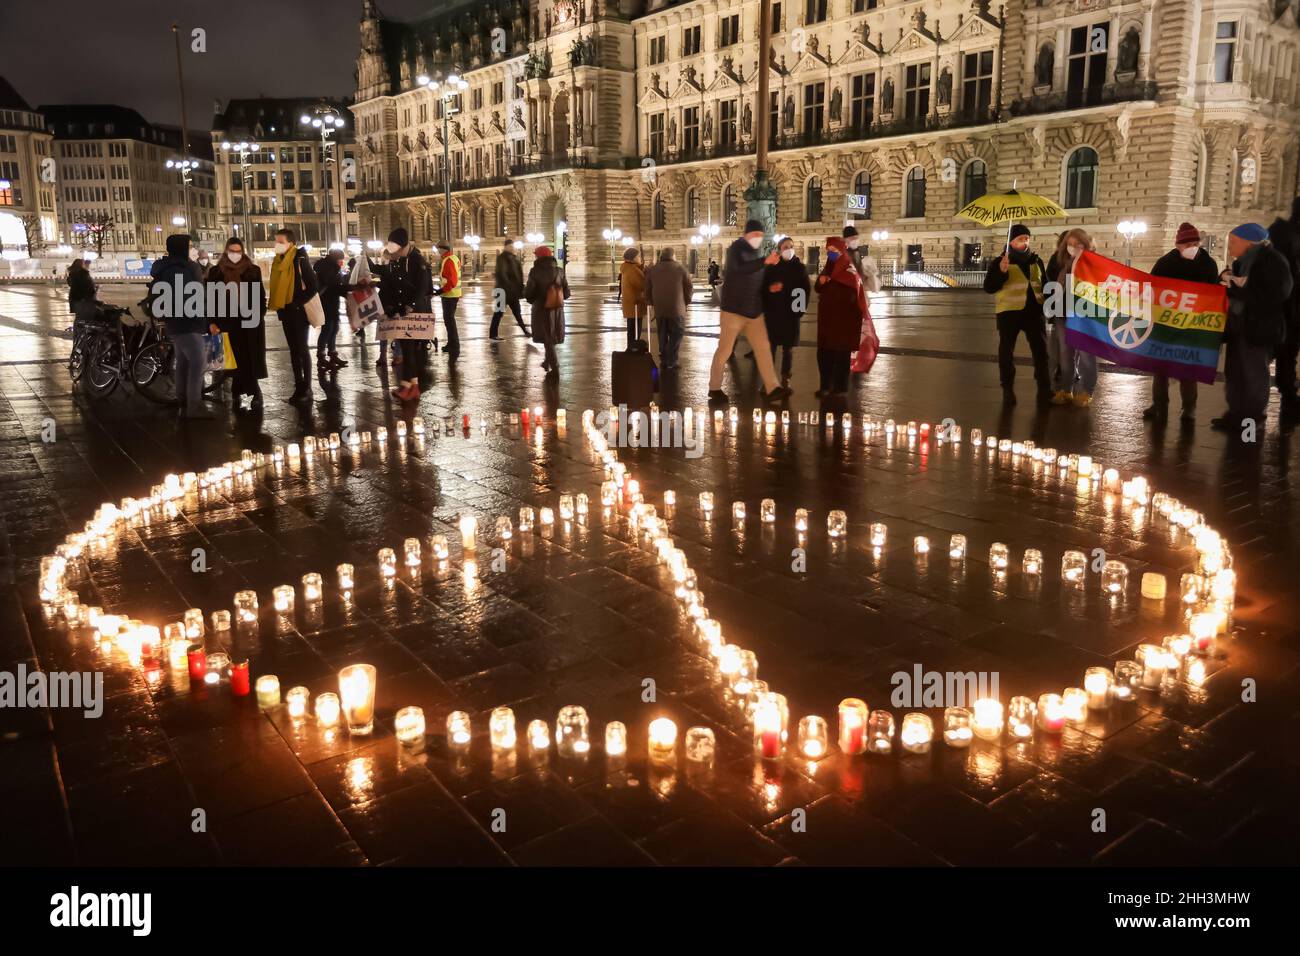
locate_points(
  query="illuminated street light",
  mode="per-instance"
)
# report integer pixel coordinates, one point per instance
(447, 90)
(1129, 229)
(327, 120)
(184, 167)
(244, 148)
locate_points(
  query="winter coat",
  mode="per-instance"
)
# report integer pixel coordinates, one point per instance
(80, 286)
(509, 275)
(668, 289)
(1200, 268)
(333, 285)
(841, 306)
(1257, 310)
(548, 324)
(742, 280)
(1025, 294)
(631, 289)
(165, 272)
(778, 307)
(304, 285)
(247, 341)
(409, 283)
(1285, 236)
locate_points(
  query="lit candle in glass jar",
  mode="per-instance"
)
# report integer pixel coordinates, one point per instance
(767, 511)
(539, 736)
(957, 552)
(700, 744)
(327, 709)
(268, 691)
(1051, 713)
(571, 738)
(1020, 718)
(408, 726)
(1114, 579)
(1153, 586)
(1074, 701)
(357, 696)
(1154, 661)
(1204, 625)
(347, 577)
(545, 518)
(957, 727)
(768, 727)
(1097, 683)
(459, 732)
(193, 623)
(215, 667)
(296, 702)
(880, 732)
(312, 587)
(706, 503)
(246, 607)
(282, 597)
(468, 532)
(501, 728)
(915, 734)
(387, 562)
(1128, 678)
(1074, 566)
(999, 556)
(878, 534)
(837, 524)
(738, 514)
(566, 507)
(663, 738)
(505, 528)
(921, 546)
(411, 552)
(801, 520)
(814, 737)
(987, 719)
(615, 739)
(439, 548)
(1031, 566)
(853, 726)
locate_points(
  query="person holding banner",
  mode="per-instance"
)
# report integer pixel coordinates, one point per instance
(1188, 262)
(1259, 284)
(247, 337)
(411, 282)
(1071, 364)
(1016, 280)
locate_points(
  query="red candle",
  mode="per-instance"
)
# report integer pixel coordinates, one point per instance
(198, 662)
(771, 744)
(464, 421)
(855, 738)
(239, 685)
(523, 417)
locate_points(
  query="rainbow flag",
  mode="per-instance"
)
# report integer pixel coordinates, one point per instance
(1135, 319)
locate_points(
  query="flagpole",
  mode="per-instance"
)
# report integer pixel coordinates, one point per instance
(1010, 223)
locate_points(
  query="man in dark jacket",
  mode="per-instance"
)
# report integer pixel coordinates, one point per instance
(1016, 279)
(1285, 236)
(170, 278)
(742, 312)
(509, 278)
(1189, 262)
(1259, 284)
(668, 291)
(410, 289)
(333, 286)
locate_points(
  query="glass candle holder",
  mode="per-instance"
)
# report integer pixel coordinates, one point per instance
(999, 556)
(1154, 662)
(976, 437)
(880, 732)
(768, 727)
(1074, 701)
(738, 514)
(1204, 627)
(282, 598)
(439, 549)
(1020, 718)
(295, 702)
(741, 681)
(246, 607)
(916, 733)
(1074, 569)
(957, 730)
(801, 520)
(878, 534)
(957, 548)
(1128, 678)
(357, 697)
(853, 726)
(411, 552)
(1051, 713)
(767, 511)
(581, 504)
(501, 728)
(505, 528)
(1114, 579)
(986, 719)
(1153, 586)
(525, 519)
(921, 546)
(545, 518)
(662, 739)
(837, 524)
(313, 587)
(459, 732)
(387, 562)
(615, 739)
(706, 503)
(566, 508)
(327, 709)
(268, 691)
(571, 738)
(215, 667)
(814, 737)
(347, 577)
(193, 621)
(700, 745)
(221, 621)
(1031, 565)
(1097, 683)
(468, 532)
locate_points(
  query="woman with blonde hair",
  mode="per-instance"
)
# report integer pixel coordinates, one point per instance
(1068, 364)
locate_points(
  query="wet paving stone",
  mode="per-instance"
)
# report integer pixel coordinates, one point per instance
(585, 614)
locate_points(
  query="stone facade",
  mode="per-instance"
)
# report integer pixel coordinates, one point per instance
(639, 115)
(27, 194)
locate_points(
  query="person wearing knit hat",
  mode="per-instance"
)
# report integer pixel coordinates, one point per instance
(1259, 283)
(742, 313)
(1016, 281)
(631, 292)
(410, 283)
(1284, 234)
(545, 291)
(1189, 262)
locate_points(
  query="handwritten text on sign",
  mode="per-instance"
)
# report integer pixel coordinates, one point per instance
(413, 325)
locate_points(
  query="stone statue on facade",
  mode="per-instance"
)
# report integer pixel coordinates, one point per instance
(945, 87)
(1044, 65)
(747, 120)
(708, 126)
(788, 113)
(887, 96)
(837, 104)
(1128, 52)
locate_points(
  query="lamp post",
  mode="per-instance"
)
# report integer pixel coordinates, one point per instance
(612, 236)
(473, 242)
(446, 90)
(1129, 229)
(244, 149)
(327, 120)
(561, 240)
(708, 232)
(760, 197)
(183, 166)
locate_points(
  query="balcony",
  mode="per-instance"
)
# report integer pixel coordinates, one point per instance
(1130, 92)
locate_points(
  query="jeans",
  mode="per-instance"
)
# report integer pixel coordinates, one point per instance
(329, 333)
(452, 348)
(296, 326)
(670, 339)
(1010, 326)
(191, 363)
(787, 359)
(1072, 364)
(513, 306)
(833, 368)
(755, 331)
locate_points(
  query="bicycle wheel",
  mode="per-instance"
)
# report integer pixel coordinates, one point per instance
(77, 358)
(103, 365)
(152, 373)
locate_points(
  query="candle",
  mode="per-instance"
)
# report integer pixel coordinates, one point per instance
(1128, 678)
(1051, 713)
(539, 736)
(1153, 586)
(1110, 479)
(296, 702)
(706, 503)
(957, 727)
(1074, 701)
(198, 662)
(387, 562)
(439, 548)
(670, 499)
(853, 726)
(468, 532)
(880, 732)
(801, 520)
(193, 623)
(459, 732)
(571, 738)
(327, 709)
(268, 691)
(1204, 625)
(1152, 657)
(505, 528)
(347, 579)
(615, 739)
(768, 727)
(767, 511)
(916, 733)
(837, 524)
(1032, 563)
(411, 552)
(282, 598)
(956, 551)
(501, 728)
(1085, 466)
(700, 744)
(920, 545)
(878, 534)
(1114, 579)
(987, 719)
(663, 739)
(976, 437)
(1074, 565)
(999, 556)
(357, 697)
(738, 515)
(1020, 718)
(814, 737)
(1097, 682)
(246, 607)
(312, 587)
(545, 518)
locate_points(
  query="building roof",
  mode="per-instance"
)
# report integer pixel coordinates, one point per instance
(266, 117)
(105, 121)
(458, 36)
(11, 99)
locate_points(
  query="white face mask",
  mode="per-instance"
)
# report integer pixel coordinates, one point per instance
(787, 254)
(754, 241)
(234, 256)
(281, 248)
(393, 248)
(853, 243)
(194, 254)
(1189, 252)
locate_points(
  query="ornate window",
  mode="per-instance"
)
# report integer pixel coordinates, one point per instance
(692, 208)
(812, 199)
(914, 194)
(1081, 168)
(728, 206)
(974, 181)
(862, 187)
(659, 214)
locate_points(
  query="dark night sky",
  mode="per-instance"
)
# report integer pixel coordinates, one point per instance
(121, 51)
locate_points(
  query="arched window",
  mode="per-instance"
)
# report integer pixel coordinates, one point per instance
(659, 216)
(974, 181)
(914, 194)
(728, 206)
(1081, 178)
(862, 187)
(692, 208)
(501, 221)
(428, 226)
(812, 199)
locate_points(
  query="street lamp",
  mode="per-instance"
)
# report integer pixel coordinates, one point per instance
(244, 149)
(184, 166)
(1129, 229)
(327, 120)
(612, 236)
(708, 232)
(447, 90)
(473, 241)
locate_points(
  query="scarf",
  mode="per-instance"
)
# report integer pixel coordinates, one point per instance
(231, 271)
(844, 272)
(281, 292)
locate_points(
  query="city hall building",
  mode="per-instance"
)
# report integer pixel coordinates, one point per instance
(586, 116)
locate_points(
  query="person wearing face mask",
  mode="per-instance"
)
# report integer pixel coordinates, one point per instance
(410, 283)
(742, 312)
(853, 243)
(293, 283)
(785, 287)
(247, 332)
(1068, 364)
(842, 302)
(333, 286)
(1016, 281)
(1189, 262)
(184, 331)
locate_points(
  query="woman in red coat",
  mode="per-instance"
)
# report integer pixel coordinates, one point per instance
(841, 305)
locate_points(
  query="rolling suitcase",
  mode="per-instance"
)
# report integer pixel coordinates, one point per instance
(634, 376)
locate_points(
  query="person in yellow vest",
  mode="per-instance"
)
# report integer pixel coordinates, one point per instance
(1016, 282)
(449, 290)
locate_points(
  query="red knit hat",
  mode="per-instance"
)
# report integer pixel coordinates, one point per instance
(541, 252)
(836, 243)
(1187, 233)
